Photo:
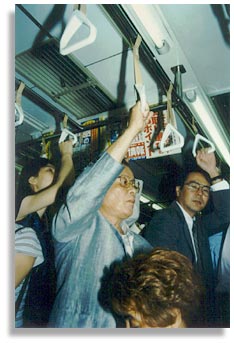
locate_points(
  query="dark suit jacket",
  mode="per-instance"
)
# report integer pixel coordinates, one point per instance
(168, 229)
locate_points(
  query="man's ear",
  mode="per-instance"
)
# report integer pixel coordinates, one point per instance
(178, 190)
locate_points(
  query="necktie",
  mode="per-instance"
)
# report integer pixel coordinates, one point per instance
(196, 243)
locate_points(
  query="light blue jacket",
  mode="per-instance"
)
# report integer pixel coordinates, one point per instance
(85, 242)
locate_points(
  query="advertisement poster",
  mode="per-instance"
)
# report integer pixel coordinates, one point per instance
(145, 145)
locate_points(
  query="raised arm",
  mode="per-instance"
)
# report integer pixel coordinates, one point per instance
(137, 123)
(220, 215)
(87, 193)
(207, 162)
(46, 197)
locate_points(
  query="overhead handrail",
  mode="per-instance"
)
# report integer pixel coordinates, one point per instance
(139, 86)
(170, 129)
(65, 132)
(198, 138)
(77, 19)
(18, 108)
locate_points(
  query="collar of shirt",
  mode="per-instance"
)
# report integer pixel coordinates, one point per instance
(189, 220)
(127, 239)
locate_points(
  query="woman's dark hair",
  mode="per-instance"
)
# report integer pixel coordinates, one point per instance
(30, 168)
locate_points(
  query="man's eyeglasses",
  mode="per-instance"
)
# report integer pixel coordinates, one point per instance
(195, 186)
(126, 183)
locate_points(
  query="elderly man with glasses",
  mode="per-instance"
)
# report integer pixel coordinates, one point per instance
(90, 232)
(183, 228)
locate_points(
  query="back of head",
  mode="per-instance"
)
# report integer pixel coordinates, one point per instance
(154, 285)
(31, 168)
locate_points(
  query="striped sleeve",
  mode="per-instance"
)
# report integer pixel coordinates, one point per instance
(27, 243)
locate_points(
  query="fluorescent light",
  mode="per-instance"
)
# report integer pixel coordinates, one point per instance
(152, 23)
(156, 207)
(211, 126)
(153, 27)
(144, 199)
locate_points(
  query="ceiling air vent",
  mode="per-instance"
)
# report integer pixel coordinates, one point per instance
(65, 80)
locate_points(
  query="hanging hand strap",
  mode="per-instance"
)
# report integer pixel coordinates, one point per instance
(139, 86)
(199, 138)
(18, 108)
(170, 129)
(170, 115)
(65, 132)
(78, 19)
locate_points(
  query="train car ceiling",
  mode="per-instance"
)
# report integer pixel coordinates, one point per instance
(184, 45)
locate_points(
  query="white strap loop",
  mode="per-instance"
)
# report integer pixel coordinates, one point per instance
(170, 130)
(65, 133)
(198, 138)
(78, 18)
(176, 137)
(18, 108)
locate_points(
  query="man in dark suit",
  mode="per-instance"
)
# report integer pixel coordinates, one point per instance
(173, 228)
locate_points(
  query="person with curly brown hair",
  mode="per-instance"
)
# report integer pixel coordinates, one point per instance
(159, 289)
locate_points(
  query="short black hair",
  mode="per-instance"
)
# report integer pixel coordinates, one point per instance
(182, 177)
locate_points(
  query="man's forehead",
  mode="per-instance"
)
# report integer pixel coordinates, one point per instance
(127, 172)
(196, 176)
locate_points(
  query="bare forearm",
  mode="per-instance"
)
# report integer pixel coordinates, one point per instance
(137, 123)
(40, 200)
(120, 147)
(66, 170)
(207, 162)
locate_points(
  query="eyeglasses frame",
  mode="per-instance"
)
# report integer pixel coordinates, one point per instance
(199, 186)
